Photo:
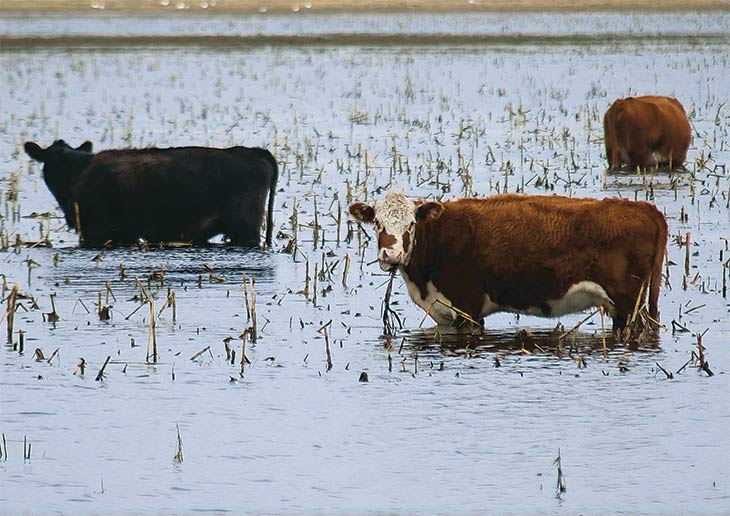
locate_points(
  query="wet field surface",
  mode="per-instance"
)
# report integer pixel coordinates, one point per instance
(448, 421)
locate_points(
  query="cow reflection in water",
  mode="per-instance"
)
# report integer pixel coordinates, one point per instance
(431, 344)
(161, 195)
(536, 255)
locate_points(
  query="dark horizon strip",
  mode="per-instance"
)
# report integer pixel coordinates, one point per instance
(354, 39)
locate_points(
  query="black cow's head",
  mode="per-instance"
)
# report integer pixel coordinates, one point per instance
(62, 166)
(395, 218)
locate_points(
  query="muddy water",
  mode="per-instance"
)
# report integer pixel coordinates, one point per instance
(438, 426)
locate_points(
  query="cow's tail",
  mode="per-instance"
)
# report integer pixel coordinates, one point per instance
(272, 191)
(656, 273)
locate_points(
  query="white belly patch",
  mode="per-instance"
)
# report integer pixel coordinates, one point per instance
(490, 307)
(579, 297)
(438, 312)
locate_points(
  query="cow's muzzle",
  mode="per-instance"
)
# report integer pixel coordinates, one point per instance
(389, 259)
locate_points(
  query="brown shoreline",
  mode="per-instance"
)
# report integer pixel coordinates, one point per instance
(353, 6)
(357, 39)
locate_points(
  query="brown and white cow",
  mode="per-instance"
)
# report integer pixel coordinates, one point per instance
(648, 131)
(537, 255)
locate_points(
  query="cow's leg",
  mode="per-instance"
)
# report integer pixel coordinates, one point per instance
(640, 155)
(203, 230)
(619, 323)
(245, 235)
(609, 156)
(244, 219)
(625, 303)
(97, 240)
(679, 155)
(614, 157)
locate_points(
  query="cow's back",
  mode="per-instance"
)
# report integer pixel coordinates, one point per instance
(523, 251)
(189, 193)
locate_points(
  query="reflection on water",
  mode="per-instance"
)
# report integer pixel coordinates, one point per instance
(540, 342)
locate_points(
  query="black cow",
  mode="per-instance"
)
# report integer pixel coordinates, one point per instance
(161, 195)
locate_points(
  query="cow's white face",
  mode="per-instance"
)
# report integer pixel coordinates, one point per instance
(395, 218)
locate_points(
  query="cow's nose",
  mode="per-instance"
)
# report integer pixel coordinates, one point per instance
(391, 256)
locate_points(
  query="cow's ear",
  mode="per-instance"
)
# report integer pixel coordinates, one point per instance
(35, 151)
(362, 212)
(87, 146)
(429, 210)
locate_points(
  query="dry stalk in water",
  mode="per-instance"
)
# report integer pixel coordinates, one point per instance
(252, 296)
(640, 324)
(389, 315)
(575, 328)
(169, 303)
(10, 312)
(100, 374)
(244, 358)
(603, 332)
(306, 278)
(80, 367)
(245, 296)
(325, 330)
(459, 312)
(179, 453)
(315, 284)
(152, 335)
(227, 346)
(560, 487)
(668, 374)
(700, 361)
(26, 448)
(102, 311)
(196, 355)
(53, 355)
(53, 316)
(345, 270)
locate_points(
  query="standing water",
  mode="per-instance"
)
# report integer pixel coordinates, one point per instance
(447, 421)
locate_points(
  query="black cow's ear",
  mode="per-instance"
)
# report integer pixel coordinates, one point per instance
(429, 210)
(87, 146)
(35, 151)
(362, 212)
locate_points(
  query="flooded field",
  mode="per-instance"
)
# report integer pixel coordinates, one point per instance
(447, 421)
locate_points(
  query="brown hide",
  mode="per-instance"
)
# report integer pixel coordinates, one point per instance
(637, 127)
(526, 250)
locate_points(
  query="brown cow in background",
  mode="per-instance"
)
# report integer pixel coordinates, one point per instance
(644, 132)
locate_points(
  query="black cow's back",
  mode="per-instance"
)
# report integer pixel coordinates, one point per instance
(184, 193)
